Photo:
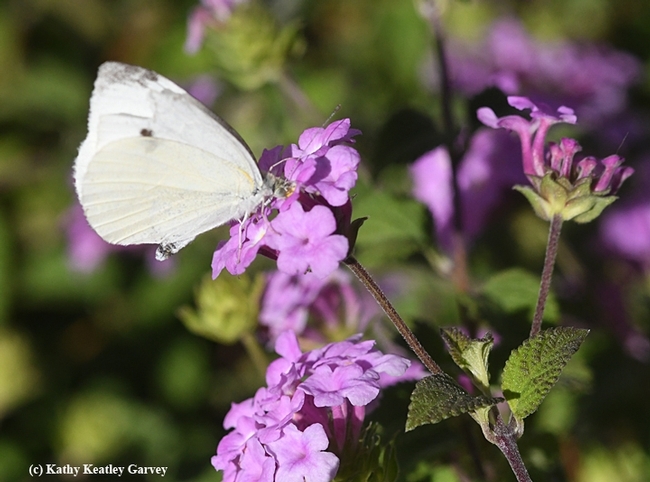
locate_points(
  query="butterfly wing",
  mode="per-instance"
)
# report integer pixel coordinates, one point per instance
(157, 166)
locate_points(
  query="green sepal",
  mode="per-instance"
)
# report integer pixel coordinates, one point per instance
(541, 207)
(551, 195)
(555, 193)
(598, 204)
(470, 355)
(438, 397)
(534, 367)
(352, 232)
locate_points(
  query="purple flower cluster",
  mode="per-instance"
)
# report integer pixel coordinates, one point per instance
(209, 12)
(314, 401)
(592, 78)
(608, 175)
(331, 303)
(308, 228)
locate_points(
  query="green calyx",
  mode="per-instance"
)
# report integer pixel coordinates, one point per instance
(551, 195)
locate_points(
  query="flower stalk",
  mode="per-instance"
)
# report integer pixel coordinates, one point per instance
(547, 272)
(503, 437)
(408, 335)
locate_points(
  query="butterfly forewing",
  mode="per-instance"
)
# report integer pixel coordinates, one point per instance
(157, 166)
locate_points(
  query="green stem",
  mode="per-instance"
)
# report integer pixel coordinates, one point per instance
(255, 352)
(547, 272)
(410, 338)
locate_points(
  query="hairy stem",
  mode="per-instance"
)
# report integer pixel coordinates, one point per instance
(374, 289)
(547, 272)
(504, 438)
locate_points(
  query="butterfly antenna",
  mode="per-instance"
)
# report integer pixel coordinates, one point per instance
(622, 142)
(336, 109)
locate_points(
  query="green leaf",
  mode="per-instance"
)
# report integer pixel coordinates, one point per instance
(516, 289)
(470, 355)
(534, 367)
(438, 397)
(394, 228)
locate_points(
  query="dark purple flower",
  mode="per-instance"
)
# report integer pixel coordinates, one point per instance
(433, 186)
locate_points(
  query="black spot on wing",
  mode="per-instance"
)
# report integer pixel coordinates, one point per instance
(146, 132)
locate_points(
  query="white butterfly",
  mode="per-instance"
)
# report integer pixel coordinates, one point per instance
(158, 167)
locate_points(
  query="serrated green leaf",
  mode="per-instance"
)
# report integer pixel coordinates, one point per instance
(438, 397)
(534, 367)
(516, 289)
(470, 355)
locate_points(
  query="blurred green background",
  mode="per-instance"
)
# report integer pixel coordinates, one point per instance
(95, 367)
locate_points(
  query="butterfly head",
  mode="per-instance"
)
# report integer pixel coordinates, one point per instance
(280, 187)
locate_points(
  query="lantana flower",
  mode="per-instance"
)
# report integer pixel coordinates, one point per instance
(562, 186)
(309, 417)
(331, 305)
(308, 229)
